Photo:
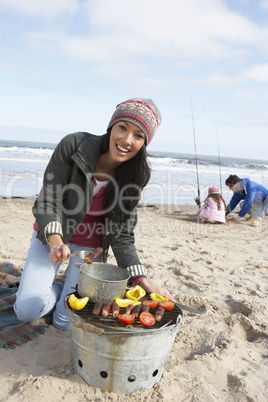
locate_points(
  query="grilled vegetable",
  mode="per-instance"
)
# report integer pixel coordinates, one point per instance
(125, 302)
(167, 305)
(151, 303)
(126, 319)
(135, 293)
(77, 304)
(157, 297)
(147, 319)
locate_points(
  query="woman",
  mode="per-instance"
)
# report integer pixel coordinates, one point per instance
(90, 192)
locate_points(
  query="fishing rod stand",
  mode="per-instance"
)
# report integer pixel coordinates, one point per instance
(197, 200)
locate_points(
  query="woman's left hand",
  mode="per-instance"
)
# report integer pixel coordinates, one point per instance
(150, 288)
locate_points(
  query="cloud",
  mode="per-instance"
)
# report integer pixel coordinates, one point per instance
(264, 4)
(148, 30)
(47, 10)
(257, 72)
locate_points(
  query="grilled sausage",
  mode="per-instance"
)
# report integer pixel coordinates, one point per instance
(158, 315)
(115, 309)
(97, 307)
(106, 309)
(145, 308)
(93, 255)
(129, 309)
(136, 311)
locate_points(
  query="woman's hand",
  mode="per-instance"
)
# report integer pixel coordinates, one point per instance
(58, 250)
(150, 288)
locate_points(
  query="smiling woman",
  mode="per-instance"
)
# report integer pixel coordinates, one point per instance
(90, 192)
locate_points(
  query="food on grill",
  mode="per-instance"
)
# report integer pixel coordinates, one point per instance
(167, 305)
(125, 302)
(151, 303)
(129, 309)
(77, 304)
(157, 297)
(97, 307)
(158, 315)
(145, 308)
(147, 319)
(115, 309)
(93, 255)
(126, 319)
(106, 309)
(136, 311)
(135, 293)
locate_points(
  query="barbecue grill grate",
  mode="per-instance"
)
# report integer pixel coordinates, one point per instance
(86, 315)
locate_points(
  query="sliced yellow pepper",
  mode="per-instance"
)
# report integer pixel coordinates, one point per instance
(157, 297)
(77, 304)
(135, 293)
(125, 302)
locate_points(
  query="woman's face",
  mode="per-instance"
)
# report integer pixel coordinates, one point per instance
(125, 141)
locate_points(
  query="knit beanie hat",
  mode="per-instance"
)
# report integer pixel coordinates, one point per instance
(213, 190)
(142, 112)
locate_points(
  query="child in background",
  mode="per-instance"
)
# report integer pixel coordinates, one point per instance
(214, 207)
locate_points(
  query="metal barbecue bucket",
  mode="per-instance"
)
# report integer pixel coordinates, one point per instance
(101, 281)
(120, 360)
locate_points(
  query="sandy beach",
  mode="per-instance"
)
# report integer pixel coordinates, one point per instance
(219, 355)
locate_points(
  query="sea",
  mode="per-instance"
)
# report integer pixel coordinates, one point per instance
(176, 178)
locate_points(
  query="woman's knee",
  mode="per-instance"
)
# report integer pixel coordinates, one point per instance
(30, 309)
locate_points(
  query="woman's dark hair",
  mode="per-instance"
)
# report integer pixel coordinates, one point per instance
(232, 179)
(123, 193)
(218, 198)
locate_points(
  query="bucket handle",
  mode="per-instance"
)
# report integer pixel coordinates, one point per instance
(85, 326)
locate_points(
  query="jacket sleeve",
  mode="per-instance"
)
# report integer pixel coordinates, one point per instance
(249, 198)
(236, 198)
(122, 241)
(48, 206)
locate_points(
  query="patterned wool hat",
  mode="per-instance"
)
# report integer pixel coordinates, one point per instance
(213, 190)
(142, 112)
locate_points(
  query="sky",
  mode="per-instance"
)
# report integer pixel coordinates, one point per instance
(66, 64)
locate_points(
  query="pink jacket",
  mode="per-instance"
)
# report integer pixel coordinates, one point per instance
(212, 212)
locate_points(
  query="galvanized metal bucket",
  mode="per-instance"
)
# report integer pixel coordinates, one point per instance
(101, 281)
(118, 360)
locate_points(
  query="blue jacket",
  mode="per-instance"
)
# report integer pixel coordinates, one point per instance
(249, 191)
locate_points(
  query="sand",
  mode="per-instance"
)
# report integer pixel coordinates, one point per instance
(219, 355)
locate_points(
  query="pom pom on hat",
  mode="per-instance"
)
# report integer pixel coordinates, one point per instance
(142, 112)
(213, 190)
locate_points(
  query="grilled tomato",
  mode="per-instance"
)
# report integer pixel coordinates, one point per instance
(147, 319)
(151, 303)
(126, 319)
(167, 305)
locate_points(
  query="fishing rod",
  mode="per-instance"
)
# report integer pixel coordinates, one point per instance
(219, 160)
(197, 199)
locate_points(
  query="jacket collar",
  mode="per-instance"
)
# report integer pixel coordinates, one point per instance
(87, 154)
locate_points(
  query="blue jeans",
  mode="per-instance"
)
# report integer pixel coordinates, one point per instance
(38, 294)
(258, 209)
